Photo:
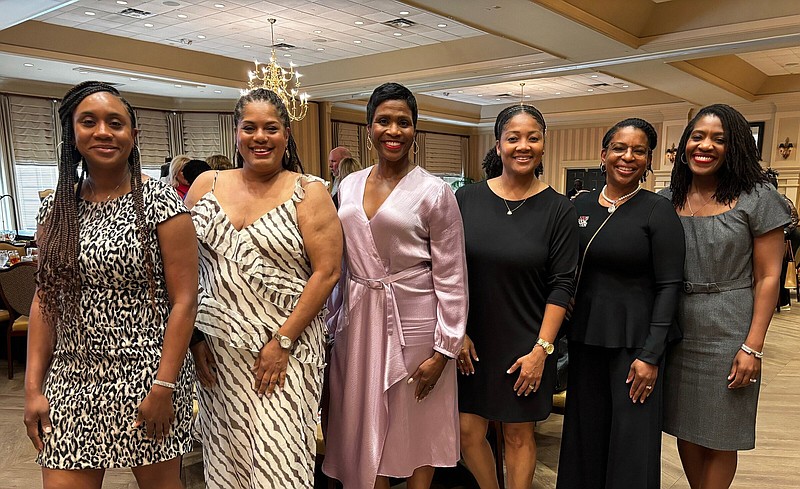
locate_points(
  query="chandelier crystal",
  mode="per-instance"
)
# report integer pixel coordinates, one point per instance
(285, 83)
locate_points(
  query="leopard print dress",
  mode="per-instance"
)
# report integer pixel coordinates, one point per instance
(103, 366)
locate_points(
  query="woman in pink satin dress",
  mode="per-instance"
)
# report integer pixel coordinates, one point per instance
(401, 318)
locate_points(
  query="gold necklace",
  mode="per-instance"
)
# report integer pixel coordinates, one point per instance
(94, 193)
(689, 204)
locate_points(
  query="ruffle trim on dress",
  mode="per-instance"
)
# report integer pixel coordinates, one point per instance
(300, 191)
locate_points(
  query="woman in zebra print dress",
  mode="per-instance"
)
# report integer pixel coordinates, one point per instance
(270, 249)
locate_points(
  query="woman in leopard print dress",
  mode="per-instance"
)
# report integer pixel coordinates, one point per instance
(108, 381)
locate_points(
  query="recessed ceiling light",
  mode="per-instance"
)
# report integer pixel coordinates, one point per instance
(29, 65)
(527, 96)
(287, 55)
(91, 14)
(245, 45)
(83, 72)
(461, 91)
(398, 34)
(201, 36)
(558, 93)
(182, 16)
(280, 39)
(317, 32)
(320, 49)
(356, 42)
(404, 12)
(441, 25)
(219, 5)
(133, 79)
(624, 86)
(594, 76)
(122, 2)
(148, 25)
(590, 90)
(359, 22)
(480, 95)
(178, 86)
(217, 91)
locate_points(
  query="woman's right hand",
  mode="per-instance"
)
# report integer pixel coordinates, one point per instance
(37, 413)
(466, 355)
(204, 364)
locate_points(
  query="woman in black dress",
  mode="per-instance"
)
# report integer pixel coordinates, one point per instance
(522, 250)
(627, 295)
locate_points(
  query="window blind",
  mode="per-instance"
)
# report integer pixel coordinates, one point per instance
(444, 154)
(346, 135)
(32, 129)
(201, 134)
(153, 137)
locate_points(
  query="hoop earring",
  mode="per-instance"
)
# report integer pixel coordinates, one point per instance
(415, 148)
(369, 143)
(683, 159)
(602, 168)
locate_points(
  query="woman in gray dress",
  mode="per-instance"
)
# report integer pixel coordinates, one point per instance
(733, 223)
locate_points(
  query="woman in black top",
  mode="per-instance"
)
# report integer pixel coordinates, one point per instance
(522, 250)
(627, 295)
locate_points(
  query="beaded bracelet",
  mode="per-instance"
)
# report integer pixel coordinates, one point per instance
(750, 351)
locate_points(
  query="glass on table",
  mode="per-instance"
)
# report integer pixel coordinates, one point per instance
(3, 258)
(33, 254)
(8, 235)
(13, 257)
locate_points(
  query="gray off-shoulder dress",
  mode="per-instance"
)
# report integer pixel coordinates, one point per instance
(715, 319)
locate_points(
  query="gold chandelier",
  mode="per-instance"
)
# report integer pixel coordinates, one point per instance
(285, 83)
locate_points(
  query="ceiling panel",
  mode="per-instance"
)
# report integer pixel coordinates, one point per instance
(774, 62)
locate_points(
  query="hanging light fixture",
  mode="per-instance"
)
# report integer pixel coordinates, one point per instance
(285, 83)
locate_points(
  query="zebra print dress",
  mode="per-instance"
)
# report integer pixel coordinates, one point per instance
(250, 281)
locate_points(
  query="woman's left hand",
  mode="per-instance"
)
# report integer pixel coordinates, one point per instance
(745, 368)
(269, 369)
(427, 374)
(642, 378)
(531, 368)
(156, 412)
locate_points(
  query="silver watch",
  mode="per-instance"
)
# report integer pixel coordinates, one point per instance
(284, 341)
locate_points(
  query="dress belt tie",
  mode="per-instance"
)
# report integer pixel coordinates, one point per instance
(715, 287)
(395, 365)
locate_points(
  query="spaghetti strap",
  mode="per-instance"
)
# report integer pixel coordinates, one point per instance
(214, 183)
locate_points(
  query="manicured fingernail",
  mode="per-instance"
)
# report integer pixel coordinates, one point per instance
(477, 359)
(508, 371)
(410, 380)
(48, 430)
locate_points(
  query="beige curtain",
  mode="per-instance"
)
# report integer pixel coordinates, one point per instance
(175, 133)
(7, 184)
(227, 136)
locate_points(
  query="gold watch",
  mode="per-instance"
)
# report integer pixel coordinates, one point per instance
(284, 341)
(546, 346)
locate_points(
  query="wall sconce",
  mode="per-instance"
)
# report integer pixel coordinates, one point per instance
(670, 153)
(785, 148)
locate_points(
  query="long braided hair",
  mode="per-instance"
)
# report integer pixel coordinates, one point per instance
(59, 270)
(740, 172)
(291, 160)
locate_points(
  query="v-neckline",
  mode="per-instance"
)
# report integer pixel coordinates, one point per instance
(261, 217)
(364, 192)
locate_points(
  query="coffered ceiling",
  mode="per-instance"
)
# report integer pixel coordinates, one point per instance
(471, 55)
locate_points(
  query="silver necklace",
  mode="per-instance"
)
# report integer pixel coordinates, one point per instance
(509, 209)
(94, 193)
(614, 202)
(689, 204)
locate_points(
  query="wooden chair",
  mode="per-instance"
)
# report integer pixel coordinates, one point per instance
(43, 194)
(17, 287)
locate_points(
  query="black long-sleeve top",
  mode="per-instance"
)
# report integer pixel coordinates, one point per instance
(632, 275)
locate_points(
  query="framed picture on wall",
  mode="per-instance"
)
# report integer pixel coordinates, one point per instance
(757, 128)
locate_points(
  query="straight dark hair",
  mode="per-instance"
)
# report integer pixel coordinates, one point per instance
(391, 91)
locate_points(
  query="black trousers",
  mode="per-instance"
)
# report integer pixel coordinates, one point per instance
(608, 442)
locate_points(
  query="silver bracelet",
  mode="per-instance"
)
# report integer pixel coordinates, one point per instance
(750, 351)
(163, 383)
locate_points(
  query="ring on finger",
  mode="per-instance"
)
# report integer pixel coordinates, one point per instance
(648, 387)
(530, 386)
(753, 381)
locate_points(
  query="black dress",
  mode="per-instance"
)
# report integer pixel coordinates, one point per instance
(516, 265)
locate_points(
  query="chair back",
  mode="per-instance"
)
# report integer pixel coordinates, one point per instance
(17, 287)
(43, 194)
(5, 245)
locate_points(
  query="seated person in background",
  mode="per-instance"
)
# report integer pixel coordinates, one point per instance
(219, 162)
(193, 169)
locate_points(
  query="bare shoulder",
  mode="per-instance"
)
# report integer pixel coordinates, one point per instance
(201, 186)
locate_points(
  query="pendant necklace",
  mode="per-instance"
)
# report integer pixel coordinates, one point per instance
(689, 204)
(509, 209)
(614, 202)
(94, 194)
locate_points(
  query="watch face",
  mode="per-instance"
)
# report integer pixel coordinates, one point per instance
(549, 349)
(285, 342)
